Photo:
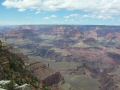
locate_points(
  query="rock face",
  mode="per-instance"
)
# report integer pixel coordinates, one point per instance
(108, 83)
(46, 76)
(117, 35)
(53, 79)
(109, 36)
(58, 31)
(91, 34)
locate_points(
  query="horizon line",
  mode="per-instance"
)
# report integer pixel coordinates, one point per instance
(57, 25)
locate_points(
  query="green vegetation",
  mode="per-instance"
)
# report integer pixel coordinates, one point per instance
(13, 68)
(10, 86)
(47, 88)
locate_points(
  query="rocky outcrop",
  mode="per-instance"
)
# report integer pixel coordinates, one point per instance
(46, 76)
(91, 34)
(108, 83)
(53, 79)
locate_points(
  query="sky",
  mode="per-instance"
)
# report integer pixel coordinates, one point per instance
(71, 12)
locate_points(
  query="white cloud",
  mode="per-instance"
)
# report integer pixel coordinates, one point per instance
(21, 5)
(50, 17)
(72, 17)
(104, 17)
(101, 8)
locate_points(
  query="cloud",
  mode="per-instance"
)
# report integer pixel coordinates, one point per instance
(50, 17)
(72, 17)
(101, 8)
(21, 5)
(94, 16)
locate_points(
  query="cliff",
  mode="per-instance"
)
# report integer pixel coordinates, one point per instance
(14, 70)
